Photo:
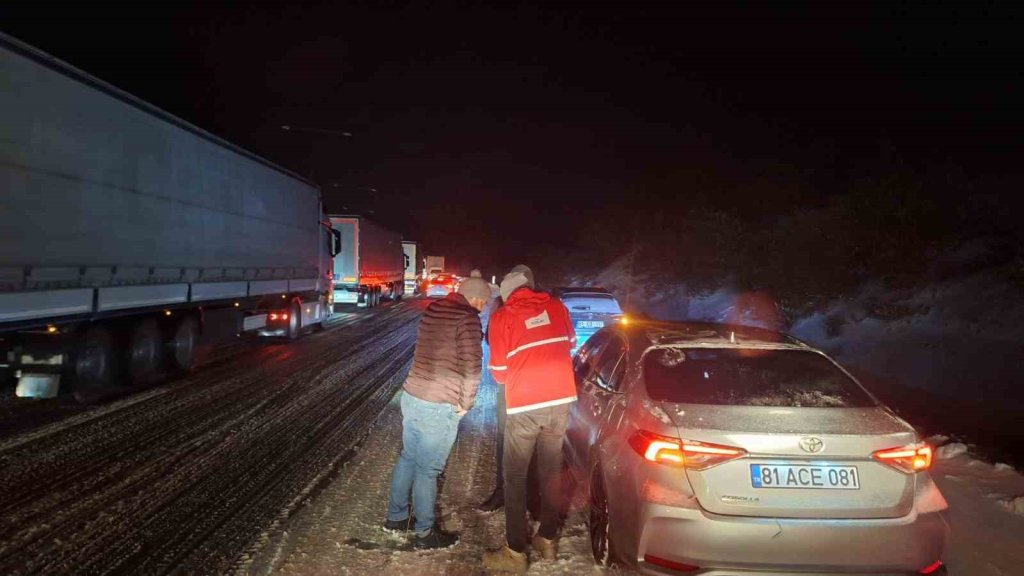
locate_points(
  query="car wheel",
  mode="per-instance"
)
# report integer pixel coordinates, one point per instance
(597, 521)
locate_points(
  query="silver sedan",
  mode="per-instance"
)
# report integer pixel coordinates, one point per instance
(714, 449)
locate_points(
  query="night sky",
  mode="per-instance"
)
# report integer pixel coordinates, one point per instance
(489, 131)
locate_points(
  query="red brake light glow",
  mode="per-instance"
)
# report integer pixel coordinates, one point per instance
(931, 568)
(909, 459)
(686, 453)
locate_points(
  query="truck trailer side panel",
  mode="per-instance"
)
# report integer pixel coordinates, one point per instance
(125, 233)
(99, 189)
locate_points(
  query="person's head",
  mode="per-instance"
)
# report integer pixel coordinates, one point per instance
(475, 273)
(519, 276)
(476, 292)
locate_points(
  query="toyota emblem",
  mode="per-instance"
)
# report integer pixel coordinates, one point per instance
(812, 444)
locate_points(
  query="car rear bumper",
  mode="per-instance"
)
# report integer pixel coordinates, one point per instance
(726, 544)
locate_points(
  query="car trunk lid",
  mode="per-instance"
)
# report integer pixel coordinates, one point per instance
(799, 462)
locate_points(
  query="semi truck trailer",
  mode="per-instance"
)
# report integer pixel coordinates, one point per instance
(412, 266)
(127, 234)
(433, 265)
(370, 266)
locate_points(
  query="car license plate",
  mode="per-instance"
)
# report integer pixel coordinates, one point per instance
(801, 476)
(590, 324)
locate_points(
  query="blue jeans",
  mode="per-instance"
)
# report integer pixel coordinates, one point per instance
(428, 432)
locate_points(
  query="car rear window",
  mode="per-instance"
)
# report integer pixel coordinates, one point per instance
(749, 377)
(593, 303)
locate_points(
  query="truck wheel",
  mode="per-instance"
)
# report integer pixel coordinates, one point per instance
(324, 315)
(294, 322)
(181, 346)
(95, 364)
(145, 352)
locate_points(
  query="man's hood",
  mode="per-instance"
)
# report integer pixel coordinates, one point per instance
(524, 303)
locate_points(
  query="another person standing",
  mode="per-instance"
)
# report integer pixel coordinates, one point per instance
(440, 389)
(530, 338)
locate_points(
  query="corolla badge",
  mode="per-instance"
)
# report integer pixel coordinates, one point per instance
(812, 444)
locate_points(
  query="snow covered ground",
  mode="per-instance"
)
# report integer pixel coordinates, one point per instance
(339, 530)
(987, 534)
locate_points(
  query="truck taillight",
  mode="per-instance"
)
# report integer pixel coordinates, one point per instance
(909, 459)
(686, 453)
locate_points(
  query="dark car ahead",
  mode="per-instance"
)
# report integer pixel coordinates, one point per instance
(715, 449)
(590, 309)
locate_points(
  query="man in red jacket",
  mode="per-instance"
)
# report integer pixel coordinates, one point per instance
(530, 338)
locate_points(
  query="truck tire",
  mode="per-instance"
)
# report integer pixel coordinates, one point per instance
(294, 321)
(95, 364)
(182, 344)
(324, 314)
(145, 352)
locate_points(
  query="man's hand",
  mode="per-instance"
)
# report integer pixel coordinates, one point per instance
(461, 411)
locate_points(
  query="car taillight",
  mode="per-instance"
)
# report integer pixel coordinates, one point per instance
(909, 459)
(276, 316)
(931, 568)
(687, 453)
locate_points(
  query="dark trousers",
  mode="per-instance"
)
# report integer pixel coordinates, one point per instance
(544, 430)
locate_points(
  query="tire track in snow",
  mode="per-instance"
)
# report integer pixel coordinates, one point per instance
(184, 478)
(339, 530)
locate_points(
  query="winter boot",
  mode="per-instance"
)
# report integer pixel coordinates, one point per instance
(506, 559)
(548, 549)
(405, 525)
(494, 502)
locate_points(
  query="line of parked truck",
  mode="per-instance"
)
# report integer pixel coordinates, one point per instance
(129, 236)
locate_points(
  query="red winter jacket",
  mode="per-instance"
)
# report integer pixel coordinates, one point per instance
(530, 338)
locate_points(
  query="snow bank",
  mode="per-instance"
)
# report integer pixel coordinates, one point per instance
(962, 329)
(943, 336)
(950, 451)
(1015, 505)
